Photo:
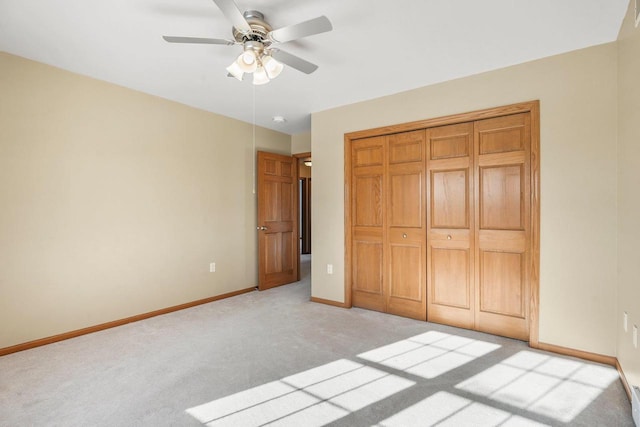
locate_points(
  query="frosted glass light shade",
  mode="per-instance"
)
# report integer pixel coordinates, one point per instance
(247, 61)
(271, 66)
(235, 70)
(260, 76)
(248, 57)
(254, 59)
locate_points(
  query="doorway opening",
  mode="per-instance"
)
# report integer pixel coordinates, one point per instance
(304, 209)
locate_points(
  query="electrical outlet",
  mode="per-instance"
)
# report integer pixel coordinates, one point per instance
(625, 321)
(329, 268)
(212, 267)
(635, 336)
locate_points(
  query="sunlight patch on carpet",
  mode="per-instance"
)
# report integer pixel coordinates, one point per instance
(311, 398)
(446, 409)
(430, 354)
(552, 386)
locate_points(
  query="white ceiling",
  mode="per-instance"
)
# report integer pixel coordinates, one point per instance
(377, 47)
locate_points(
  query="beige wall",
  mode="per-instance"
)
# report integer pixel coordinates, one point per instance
(113, 202)
(577, 92)
(628, 190)
(301, 143)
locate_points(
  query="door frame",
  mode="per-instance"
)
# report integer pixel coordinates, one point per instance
(305, 215)
(532, 107)
(299, 157)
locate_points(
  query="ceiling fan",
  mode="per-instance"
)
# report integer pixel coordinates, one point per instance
(257, 39)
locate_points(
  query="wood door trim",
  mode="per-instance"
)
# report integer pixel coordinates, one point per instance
(534, 308)
(300, 156)
(305, 216)
(532, 107)
(108, 325)
(348, 240)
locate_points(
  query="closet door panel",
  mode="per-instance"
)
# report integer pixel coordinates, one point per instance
(406, 260)
(367, 229)
(449, 142)
(502, 283)
(504, 232)
(450, 278)
(406, 147)
(449, 198)
(501, 198)
(368, 203)
(450, 255)
(367, 271)
(406, 237)
(405, 194)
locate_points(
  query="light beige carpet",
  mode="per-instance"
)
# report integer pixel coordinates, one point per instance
(275, 358)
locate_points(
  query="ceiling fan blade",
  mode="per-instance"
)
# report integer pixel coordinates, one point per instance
(294, 61)
(233, 14)
(317, 25)
(172, 39)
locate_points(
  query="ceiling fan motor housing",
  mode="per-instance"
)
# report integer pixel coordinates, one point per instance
(259, 29)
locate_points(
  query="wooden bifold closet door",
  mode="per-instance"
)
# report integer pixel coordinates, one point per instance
(389, 239)
(450, 229)
(441, 224)
(503, 234)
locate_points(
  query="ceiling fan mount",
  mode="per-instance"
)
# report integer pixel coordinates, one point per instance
(259, 28)
(250, 30)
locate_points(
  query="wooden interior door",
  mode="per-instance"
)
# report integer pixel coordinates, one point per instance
(405, 254)
(367, 226)
(450, 225)
(502, 212)
(278, 257)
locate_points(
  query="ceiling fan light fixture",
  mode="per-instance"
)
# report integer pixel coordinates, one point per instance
(260, 76)
(271, 66)
(248, 57)
(235, 70)
(244, 64)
